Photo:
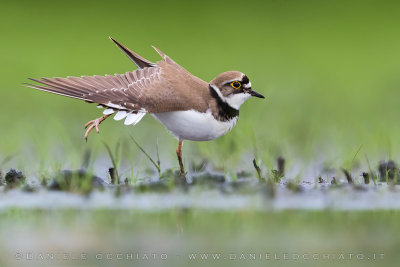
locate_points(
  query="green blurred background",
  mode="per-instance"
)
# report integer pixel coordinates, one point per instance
(329, 71)
(330, 74)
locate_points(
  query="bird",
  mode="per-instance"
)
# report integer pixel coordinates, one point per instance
(189, 107)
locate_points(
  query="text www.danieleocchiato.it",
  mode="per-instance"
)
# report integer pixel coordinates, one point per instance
(197, 256)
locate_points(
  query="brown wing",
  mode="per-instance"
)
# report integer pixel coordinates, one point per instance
(139, 61)
(120, 91)
(163, 87)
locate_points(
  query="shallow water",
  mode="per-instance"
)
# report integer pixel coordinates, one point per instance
(311, 197)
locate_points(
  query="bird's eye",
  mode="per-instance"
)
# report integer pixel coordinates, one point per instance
(236, 85)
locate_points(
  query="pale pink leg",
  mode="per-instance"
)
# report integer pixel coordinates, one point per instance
(94, 124)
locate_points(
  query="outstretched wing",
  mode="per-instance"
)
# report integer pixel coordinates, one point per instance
(120, 92)
(155, 88)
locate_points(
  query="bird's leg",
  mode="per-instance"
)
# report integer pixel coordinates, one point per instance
(94, 124)
(179, 154)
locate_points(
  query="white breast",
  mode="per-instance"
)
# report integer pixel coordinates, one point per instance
(194, 125)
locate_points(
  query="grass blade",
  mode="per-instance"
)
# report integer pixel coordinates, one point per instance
(114, 163)
(148, 156)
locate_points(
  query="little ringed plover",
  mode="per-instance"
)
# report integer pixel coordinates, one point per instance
(190, 108)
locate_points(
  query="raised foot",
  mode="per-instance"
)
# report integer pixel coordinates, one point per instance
(94, 124)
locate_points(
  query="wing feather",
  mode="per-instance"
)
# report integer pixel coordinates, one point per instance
(160, 87)
(139, 61)
(119, 91)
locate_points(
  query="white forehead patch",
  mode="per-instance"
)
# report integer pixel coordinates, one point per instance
(247, 85)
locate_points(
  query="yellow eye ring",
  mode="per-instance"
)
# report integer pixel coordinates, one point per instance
(236, 85)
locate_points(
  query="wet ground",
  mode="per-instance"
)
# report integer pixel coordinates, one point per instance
(257, 190)
(77, 218)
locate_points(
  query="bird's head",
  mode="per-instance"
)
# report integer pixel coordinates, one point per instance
(233, 88)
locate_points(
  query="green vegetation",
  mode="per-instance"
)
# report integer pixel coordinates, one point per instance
(330, 74)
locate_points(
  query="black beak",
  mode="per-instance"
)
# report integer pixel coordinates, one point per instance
(254, 93)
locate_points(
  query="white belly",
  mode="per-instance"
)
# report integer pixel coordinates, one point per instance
(193, 125)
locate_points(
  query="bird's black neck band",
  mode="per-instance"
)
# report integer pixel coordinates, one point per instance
(225, 112)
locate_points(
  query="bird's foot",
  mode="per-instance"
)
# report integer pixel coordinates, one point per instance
(94, 124)
(182, 173)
